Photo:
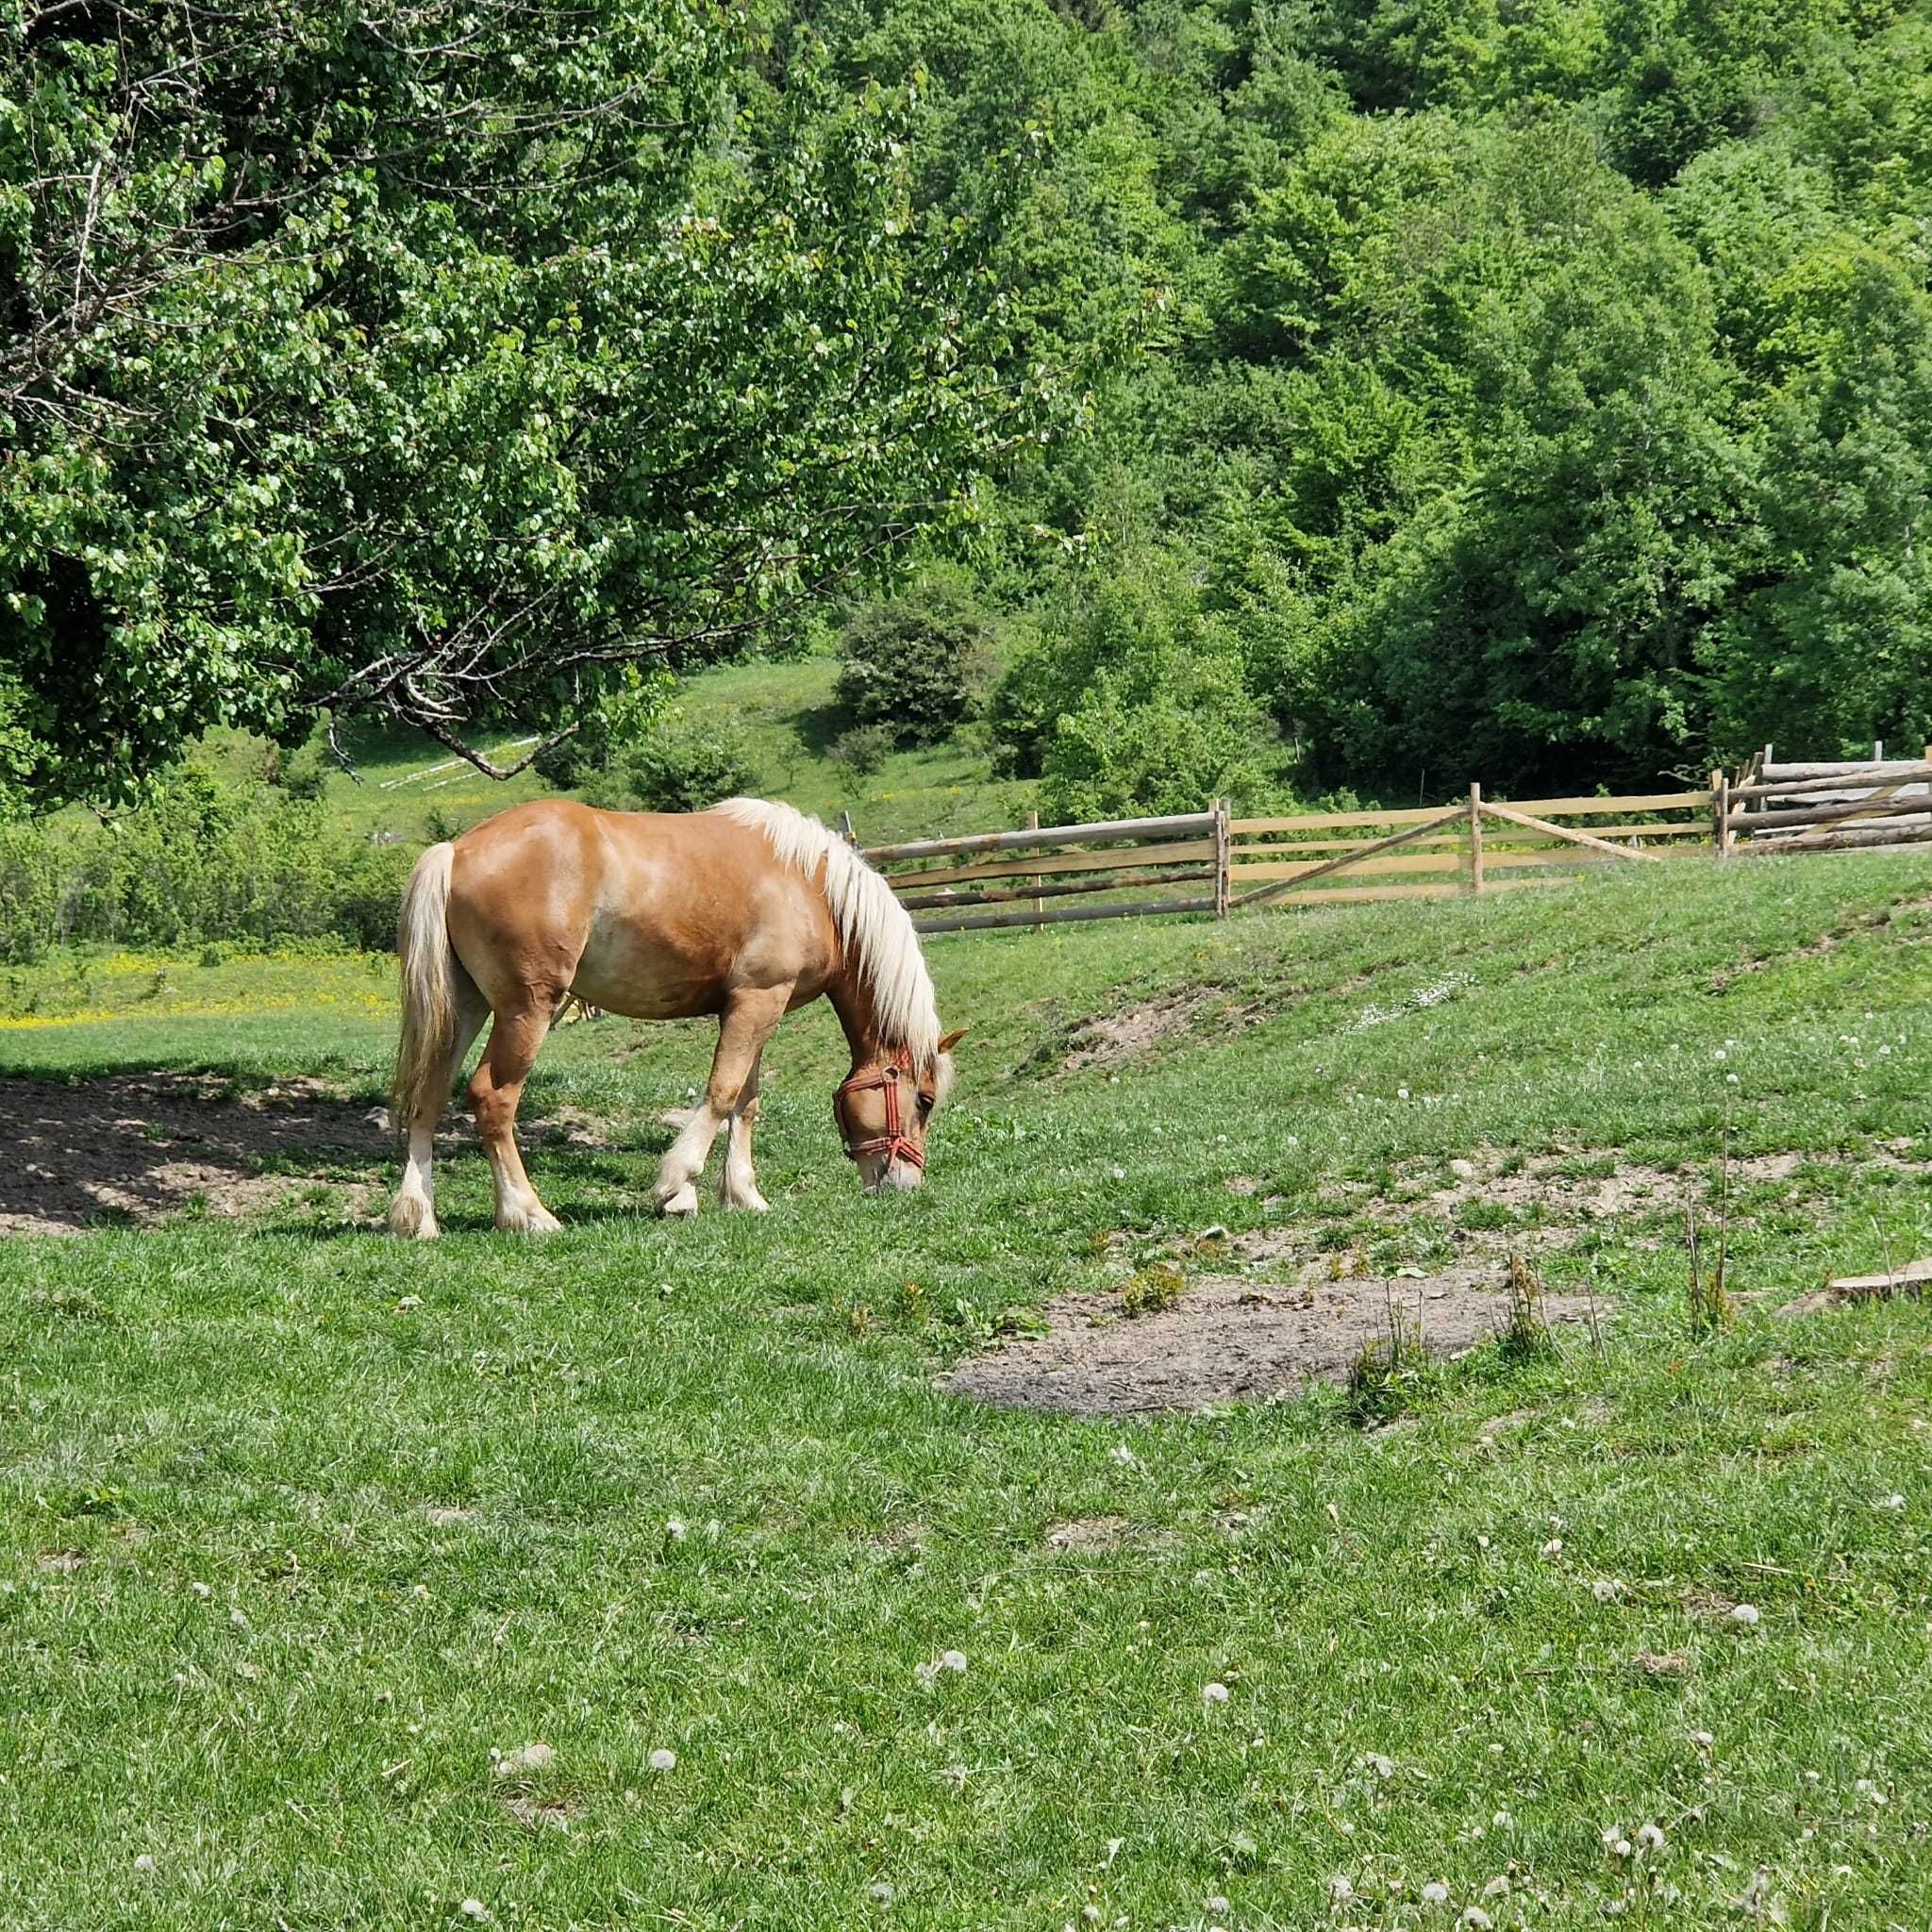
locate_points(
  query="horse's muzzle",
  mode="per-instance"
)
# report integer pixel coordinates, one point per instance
(895, 1177)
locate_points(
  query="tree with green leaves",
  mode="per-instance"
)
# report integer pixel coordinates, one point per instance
(437, 361)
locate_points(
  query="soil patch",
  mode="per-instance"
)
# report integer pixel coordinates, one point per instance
(1110, 1038)
(144, 1147)
(1232, 1340)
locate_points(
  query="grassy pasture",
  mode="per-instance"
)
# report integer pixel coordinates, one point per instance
(299, 1525)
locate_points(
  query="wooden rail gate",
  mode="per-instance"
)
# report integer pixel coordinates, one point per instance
(1209, 861)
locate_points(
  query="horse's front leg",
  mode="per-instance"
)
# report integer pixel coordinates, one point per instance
(751, 1013)
(741, 1185)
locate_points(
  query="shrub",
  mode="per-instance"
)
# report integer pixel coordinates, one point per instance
(910, 664)
(687, 764)
(204, 860)
(863, 749)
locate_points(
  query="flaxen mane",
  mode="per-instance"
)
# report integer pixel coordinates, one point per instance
(870, 922)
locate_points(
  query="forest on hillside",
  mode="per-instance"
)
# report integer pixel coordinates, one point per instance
(1207, 396)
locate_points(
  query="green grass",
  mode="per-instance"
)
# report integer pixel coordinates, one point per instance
(786, 712)
(281, 1664)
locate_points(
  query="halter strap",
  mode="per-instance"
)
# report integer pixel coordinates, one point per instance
(892, 1142)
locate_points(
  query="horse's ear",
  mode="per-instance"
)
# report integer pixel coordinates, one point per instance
(951, 1040)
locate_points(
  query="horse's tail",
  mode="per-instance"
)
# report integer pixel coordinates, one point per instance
(429, 968)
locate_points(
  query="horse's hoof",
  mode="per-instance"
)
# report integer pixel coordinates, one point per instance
(413, 1219)
(750, 1202)
(683, 1203)
(537, 1220)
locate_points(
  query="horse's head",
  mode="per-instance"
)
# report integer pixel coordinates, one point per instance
(883, 1110)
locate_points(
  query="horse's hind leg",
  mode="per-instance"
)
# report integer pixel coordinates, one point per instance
(495, 1089)
(414, 1212)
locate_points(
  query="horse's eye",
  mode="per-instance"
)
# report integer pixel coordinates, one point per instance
(925, 1100)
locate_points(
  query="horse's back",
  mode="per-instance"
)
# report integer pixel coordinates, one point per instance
(646, 913)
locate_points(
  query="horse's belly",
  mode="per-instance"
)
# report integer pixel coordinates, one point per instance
(624, 970)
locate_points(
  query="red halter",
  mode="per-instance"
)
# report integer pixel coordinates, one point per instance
(892, 1142)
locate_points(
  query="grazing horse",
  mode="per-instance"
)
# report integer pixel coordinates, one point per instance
(746, 911)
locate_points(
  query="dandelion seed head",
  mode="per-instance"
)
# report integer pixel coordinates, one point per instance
(1214, 1693)
(145, 1863)
(1435, 1893)
(661, 1759)
(1340, 1890)
(1744, 1613)
(1649, 1837)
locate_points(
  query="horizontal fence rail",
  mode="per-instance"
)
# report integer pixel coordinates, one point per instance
(1481, 847)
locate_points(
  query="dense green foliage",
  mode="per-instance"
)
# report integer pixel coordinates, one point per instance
(1537, 393)
(206, 860)
(678, 762)
(910, 663)
(434, 360)
(1531, 390)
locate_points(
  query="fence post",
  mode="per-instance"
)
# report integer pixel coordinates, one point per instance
(1038, 879)
(1220, 858)
(1476, 837)
(845, 831)
(1721, 812)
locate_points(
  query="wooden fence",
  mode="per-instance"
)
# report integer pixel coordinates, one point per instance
(1875, 805)
(1209, 861)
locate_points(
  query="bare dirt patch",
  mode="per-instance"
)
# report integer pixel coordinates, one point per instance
(1108, 1040)
(1232, 1340)
(142, 1148)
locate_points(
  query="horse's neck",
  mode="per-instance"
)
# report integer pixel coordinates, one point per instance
(853, 1002)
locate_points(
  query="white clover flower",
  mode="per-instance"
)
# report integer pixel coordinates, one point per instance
(1730, 1080)
(1213, 1693)
(882, 1891)
(1894, 1501)
(1402, 1094)
(527, 1757)
(1502, 1822)
(1435, 1893)
(1744, 1613)
(1090, 1912)
(201, 1590)
(661, 1759)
